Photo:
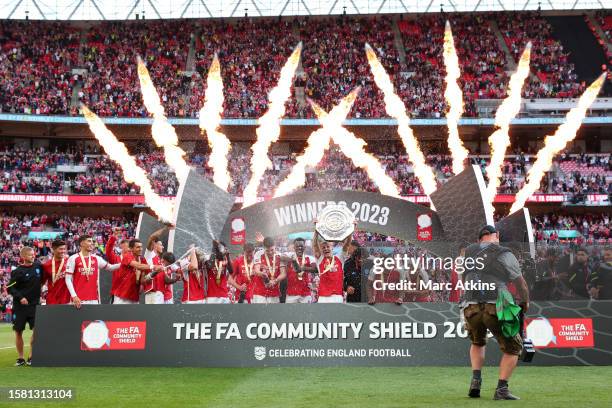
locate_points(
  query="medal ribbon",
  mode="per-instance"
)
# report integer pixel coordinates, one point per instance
(218, 268)
(54, 275)
(86, 268)
(248, 268)
(273, 264)
(328, 267)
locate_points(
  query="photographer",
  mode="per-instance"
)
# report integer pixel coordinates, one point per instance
(499, 267)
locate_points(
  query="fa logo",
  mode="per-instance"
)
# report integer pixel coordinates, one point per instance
(260, 353)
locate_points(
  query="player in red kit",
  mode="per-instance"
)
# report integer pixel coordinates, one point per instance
(243, 268)
(154, 287)
(133, 267)
(54, 275)
(299, 269)
(219, 275)
(268, 273)
(331, 269)
(193, 281)
(111, 253)
(82, 273)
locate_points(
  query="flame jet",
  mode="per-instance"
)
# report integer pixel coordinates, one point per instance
(163, 132)
(553, 144)
(268, 130)
(500, 139)
(210, 119)
(454, 99)
(396, 109)
(132, 173)
(353, 148)
(317, 144)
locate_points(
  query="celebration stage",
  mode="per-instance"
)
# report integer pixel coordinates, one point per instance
(414, 334)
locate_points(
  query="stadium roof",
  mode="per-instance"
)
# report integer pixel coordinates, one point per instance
(156, 9)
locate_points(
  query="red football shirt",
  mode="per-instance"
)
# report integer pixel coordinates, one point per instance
(295, 286)
(217, 289)
(113, 258)
(331, 276)
(193, 286)
(243, 273)
(57, 292)
(259, 287)
(85, 275)
(158, 283)
(127, 285)
(168, 288)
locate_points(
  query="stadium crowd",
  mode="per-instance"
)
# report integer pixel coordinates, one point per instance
(35, 171)
(43, 64)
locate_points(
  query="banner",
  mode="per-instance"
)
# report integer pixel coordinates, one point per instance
(294, 213)
(414, 334)
(139, 199)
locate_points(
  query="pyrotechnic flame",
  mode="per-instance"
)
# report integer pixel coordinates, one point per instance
(396, 109)
(317, 144)
(132, 173)
(163, 132)
(268, 130)
(210, 119)
(564, 134)
(454, 99)
(500, 139)
(353, 148)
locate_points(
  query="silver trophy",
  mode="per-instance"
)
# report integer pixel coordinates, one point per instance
(335, 223)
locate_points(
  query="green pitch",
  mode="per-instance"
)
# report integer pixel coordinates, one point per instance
(302, 387)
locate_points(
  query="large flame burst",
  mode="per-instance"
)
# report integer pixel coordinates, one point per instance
(318, 142)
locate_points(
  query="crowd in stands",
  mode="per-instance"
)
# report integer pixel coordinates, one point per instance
(549, 61)
(35, 66)
(111, 86)
(34, 171)
(251, 54)
(590, 228)
(604, 18)
(37, 60)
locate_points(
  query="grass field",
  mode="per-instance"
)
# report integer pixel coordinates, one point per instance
(301, 387)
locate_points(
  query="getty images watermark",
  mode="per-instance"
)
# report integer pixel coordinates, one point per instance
(414, 264)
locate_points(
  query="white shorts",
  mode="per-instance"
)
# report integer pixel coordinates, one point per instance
(169, 301)
(121, 301)
(297, 299)
(265, 299)
(88, 302)
(154, 298)
(331, 299)
(217, 300)
(194, 302)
